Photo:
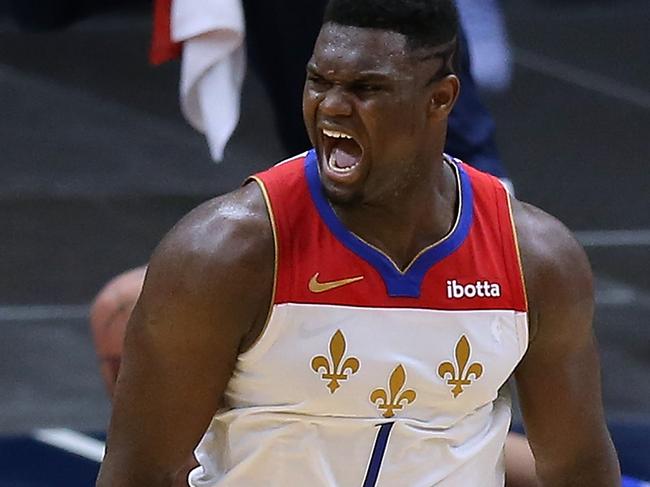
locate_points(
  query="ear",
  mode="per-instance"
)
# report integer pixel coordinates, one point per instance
(443, 96)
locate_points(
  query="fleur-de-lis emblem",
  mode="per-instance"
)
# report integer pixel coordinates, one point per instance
(336, 368)
(460, 375)
(393, 401)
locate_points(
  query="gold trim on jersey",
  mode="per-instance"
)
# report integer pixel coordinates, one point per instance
(393, 399)
(454, 167)
(460, 374)
(269, 210)
(334, 369)
(514, 233)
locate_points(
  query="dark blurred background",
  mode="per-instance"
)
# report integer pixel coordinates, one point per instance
(97, 163)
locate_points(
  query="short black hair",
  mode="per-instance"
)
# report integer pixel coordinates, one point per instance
(424, 23)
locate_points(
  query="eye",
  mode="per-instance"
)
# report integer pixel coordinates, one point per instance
(366, 88)
(317, 82)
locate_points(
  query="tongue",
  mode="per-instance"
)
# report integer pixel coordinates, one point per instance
(346, 153)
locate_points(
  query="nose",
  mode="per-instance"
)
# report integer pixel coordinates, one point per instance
(335, 102)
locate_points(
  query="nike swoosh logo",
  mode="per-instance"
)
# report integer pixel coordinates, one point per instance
(321, 287)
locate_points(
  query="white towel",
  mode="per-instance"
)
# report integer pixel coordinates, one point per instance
(213, 66)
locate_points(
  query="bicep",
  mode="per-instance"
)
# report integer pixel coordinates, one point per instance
(176, 365)
(558, 383)
(181, 346)
(558, 380)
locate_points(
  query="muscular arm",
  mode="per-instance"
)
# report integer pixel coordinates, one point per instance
(559, 378)
(205, 297)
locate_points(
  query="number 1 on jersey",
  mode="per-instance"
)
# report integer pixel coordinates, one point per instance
(377, 456)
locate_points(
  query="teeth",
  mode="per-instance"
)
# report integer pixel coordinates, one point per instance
(336, 134)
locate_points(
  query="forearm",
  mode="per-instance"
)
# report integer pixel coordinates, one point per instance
(114, 477)
(520, 462)
(106, 479)
(598, 468)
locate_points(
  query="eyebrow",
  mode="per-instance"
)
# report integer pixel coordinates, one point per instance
(359, 76)
(372, 76)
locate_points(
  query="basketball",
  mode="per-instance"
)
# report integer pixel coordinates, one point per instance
(109, 315)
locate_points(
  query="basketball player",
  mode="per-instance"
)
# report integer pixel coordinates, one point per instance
(353, 315)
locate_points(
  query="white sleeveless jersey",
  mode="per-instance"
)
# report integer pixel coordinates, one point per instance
(367, 376)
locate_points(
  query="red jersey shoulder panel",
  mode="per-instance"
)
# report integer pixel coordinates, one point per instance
(316, 265)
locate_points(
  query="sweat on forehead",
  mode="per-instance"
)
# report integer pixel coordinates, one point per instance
(424, 23)
(378, 51)
(335, 40)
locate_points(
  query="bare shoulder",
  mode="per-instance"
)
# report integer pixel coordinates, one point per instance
(558, 380)
(230, 230)
(217, 261)
(556, 269)
(208, 286)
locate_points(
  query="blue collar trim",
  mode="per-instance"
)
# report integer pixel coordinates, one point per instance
(398, 283)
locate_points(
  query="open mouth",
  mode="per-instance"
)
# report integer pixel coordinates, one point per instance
(341, 151)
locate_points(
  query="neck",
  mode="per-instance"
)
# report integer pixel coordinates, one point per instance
(401, 224)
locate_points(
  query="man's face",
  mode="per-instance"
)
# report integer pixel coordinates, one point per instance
(366, 108)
